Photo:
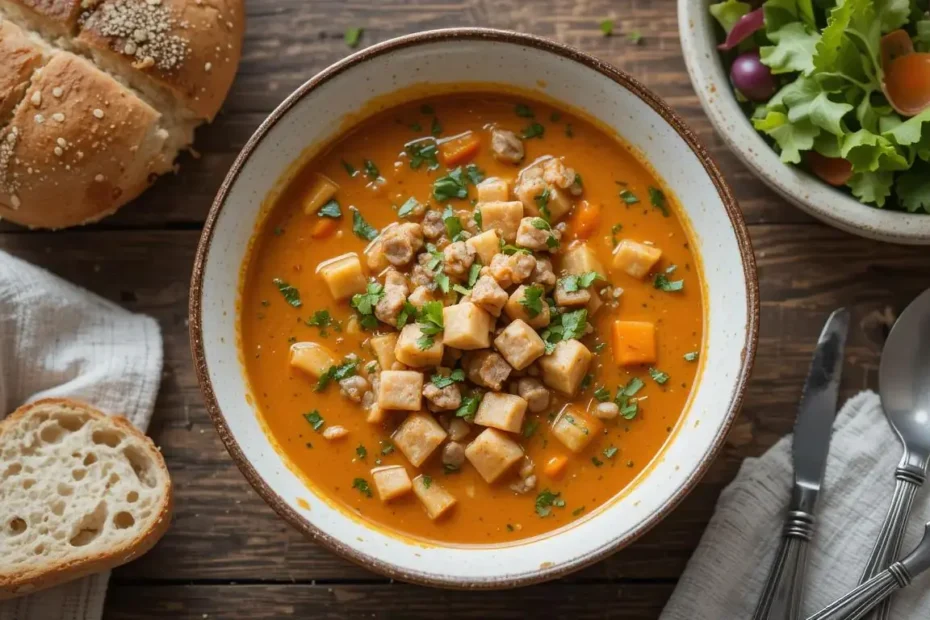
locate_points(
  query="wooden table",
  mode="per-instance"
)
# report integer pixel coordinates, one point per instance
(227, 554)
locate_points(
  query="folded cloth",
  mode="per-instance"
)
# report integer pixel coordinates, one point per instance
(724, 578)
(57, 340)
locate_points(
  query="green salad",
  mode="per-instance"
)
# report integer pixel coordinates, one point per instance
(841, 88)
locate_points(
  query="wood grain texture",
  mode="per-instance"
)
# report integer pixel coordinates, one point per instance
(227, 555)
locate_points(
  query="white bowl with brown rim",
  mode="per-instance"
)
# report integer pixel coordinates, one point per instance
(310, 116)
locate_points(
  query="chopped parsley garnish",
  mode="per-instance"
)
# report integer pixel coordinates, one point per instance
(337, 372)
(635, 37)
(352, 36)
(349, 168)
(435, 127)
(386, 448)
(564, 327)
(361, 452)
(330, 209)
(658, 376)
(291, 294)
(533, 130)
(657, 198)
(450, 186)
(600, 347)
(545, 502)
(529, 429)
(411, 205)
(628, 408)
(474, 173)
(542, 203)
(469, 407)
(533, 300)
(577, 511)
(430, 320)
(662, 283)
(443, 381)
(607, 27)
(321, 319)
(362, 485)
(443, 282)
(453, 223)
(361, 228)
(315, 419)
(371, 170)
(364, 304)
(597, 462)
(524, 111)
(458, 288)
(408, 312)
(510, 527)
(610, 452)
(423, 151)
(691, 356)
(602, 394)
(474, 272)
(478, 219)
(575, 283)
(427, 482)
(586, 381)
(616, 228)
(628, 197)
(540, 224)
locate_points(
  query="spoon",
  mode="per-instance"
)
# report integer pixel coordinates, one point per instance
(904, 384)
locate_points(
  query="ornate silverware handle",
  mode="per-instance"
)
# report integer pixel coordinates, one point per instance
(860, 601)
(781, 596)
(888, 545)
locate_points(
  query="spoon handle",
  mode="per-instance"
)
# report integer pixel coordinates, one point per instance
(860, 601)
(888, 545)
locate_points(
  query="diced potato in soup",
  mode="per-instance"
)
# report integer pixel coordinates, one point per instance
(474, 337)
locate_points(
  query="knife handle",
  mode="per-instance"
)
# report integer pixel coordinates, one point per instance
(784, 589)
(888, 545)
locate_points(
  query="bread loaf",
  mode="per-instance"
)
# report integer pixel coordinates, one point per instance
(97, 98)
(80, 492)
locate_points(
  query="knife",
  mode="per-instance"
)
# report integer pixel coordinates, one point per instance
(784, 589)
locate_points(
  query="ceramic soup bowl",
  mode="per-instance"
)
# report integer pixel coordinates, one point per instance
(310, 116)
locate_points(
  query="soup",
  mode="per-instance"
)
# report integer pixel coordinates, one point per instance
(472, 318)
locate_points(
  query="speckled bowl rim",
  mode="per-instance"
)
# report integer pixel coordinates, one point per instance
(623, 80)
(807, 192)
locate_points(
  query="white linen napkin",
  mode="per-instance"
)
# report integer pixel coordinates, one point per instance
(57, 340)
(725, 575)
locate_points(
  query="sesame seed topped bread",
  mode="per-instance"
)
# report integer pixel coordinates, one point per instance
(117, 85)
(80, 492)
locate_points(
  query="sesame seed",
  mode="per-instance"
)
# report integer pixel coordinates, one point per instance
(36, 98)
(99, 178)
(57, 92)
(207, 67)
(15, 200)
(58, 151)
(62, 142)
(98, 113)
(58, 116)
(147, 29)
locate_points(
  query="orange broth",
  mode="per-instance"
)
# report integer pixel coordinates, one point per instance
(485, 513)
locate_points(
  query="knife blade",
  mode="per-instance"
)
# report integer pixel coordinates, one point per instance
(817, 410)
(784, 588)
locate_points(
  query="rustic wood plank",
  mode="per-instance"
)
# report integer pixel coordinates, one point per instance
(630, 601)
(288, 41)
(223, 531)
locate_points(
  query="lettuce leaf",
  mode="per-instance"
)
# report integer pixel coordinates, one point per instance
(873, 187)
(793, 50)
(892, 13)
(913, 188)
(869, 152)
(779, 13)
(913, 133)
(728, 12)
(807, 100)
(791, 138)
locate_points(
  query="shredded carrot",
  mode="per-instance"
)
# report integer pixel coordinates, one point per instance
(555, 466)
(324, 227)
(585, 220)
(460, 150)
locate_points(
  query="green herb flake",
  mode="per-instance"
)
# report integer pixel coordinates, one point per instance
(315, 419)
(337, 372)
(607, 27)
(610, 452)
(658, 376)
(474, 272)
(600, 347)
(361, 228)
(574, 283)
(291, 294)
(427, 481)
(533, 300)
(577, 511)
(469, 407)
(542, 203)
(330, 209)
(362, 485)
(386, 448)
(364, 303)
(474, 174)
(510, 527)
(533, 130)
(658, 200)
(597, 462)
(628, 197)
(529, 429)
(602, 394)
(352, 36)
(453, 224)
(406, 314)
(546, 500)
(443, 282)
(524, 111)
(574, 323)
(443, 381)
(569, 132)
(662, 283)
(586, 381)
(478, 219)
(691, 356)
(435, 127)
(361, 452)
(409, 206)
(321, 319)
(635, 37)
(349, 168)
(371, 170)
(450, 186)
(422, 152)
(430, 318)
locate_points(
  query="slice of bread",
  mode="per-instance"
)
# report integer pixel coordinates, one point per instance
(80, 492)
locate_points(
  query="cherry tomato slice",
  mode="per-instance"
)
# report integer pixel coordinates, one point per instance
(834, 170)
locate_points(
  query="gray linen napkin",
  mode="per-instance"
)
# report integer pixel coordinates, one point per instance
(57, 340)
(725, 575)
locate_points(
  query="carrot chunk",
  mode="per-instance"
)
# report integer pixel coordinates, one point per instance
(634, 342)
(555, 466)
(584, 221)
(324, 227)
(461, 150)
